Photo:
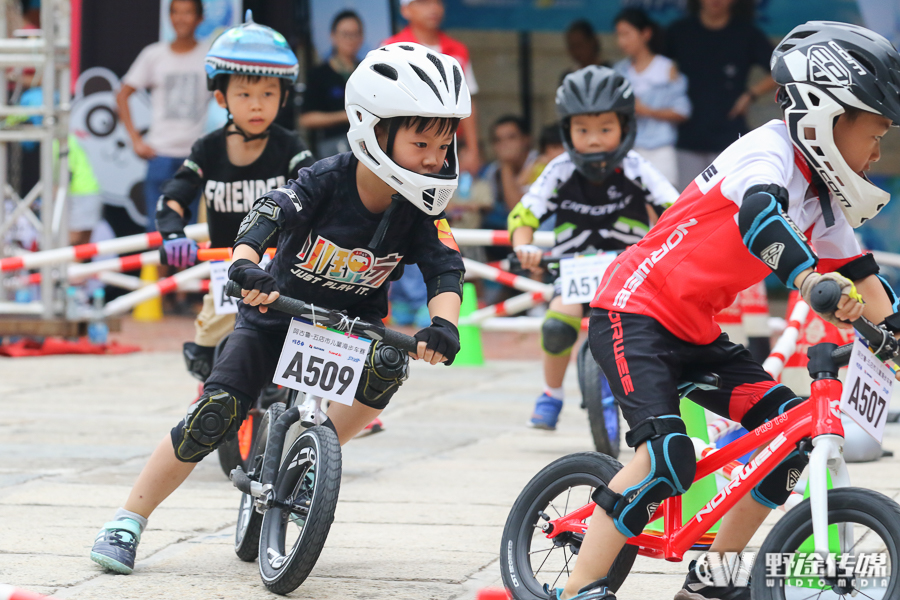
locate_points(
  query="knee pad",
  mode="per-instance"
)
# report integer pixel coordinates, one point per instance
(672, 469)
(211, 420)
(776, 487)
(198, 360)
(385, 371)
(559, 333)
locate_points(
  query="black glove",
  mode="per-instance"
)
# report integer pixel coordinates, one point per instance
(250, 277)
(441, 336)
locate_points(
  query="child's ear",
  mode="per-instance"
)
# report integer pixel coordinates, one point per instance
(220, 99)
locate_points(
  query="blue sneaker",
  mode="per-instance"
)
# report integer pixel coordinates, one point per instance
(546, 412)
(116, 545)
(594, 591)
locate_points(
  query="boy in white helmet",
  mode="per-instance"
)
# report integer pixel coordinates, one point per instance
(344, 226)
(784, 198)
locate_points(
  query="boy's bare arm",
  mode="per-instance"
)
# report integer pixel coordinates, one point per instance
(141, 148)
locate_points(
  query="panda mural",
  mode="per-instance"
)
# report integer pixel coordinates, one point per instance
(94, 121)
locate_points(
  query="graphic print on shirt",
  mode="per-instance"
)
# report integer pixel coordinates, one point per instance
(341, 269)
(238, 196)
(181, 91)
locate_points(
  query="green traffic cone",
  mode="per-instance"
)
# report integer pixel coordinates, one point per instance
(470, 352)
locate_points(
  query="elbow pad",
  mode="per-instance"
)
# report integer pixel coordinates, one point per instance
(521, 216)
(451, 281)
(771, 236)
(261, 225)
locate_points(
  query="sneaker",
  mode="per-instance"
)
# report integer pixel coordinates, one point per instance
(546, 412)
(694, 589)
(594, 591)
(116, 545)
(376, 426)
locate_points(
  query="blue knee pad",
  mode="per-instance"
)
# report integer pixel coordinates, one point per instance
(776, 487)
(672, 469)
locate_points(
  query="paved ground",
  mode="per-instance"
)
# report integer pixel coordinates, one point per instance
(422, 505)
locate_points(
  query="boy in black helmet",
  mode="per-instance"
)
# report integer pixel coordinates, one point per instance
(784, 198)
(605, 197)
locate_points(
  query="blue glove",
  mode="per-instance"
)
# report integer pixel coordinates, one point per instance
(179, 252)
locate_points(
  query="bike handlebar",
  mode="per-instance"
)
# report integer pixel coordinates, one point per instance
(334, 319)
(824, 298)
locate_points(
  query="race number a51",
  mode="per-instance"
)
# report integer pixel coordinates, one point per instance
(867, 392)
(580, 276)
(321, 362)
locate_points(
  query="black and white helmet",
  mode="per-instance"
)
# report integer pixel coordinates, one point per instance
(400, 80)
(825, 68)
(596, 89)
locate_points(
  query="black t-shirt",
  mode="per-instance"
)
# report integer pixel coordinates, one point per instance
(325, 93)
(231, 190)
(717, 64)
(323, 255)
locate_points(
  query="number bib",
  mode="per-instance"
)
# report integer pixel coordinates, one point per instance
(580, 276)
(867, 392)
(218, 277)
(321, 362)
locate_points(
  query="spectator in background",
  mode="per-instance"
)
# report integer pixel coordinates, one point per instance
(175, 75)
(583, 46)
(425, 17)
(550, 145)
(715, 46)
(323, 103)
(660, 91)
(512, 147)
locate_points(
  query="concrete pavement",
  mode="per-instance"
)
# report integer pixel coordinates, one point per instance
(421, 510)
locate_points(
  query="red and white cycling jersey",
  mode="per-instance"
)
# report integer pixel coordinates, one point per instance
(693, 263)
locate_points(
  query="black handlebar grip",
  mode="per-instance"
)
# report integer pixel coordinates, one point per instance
(233, 289)
(825, 296)
(400, 340)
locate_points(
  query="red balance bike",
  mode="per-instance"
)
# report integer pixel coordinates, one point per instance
(830, 530)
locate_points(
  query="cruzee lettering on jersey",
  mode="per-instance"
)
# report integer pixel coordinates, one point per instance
(230, 190)
(610, 215)
(693, 263)
(323, 248)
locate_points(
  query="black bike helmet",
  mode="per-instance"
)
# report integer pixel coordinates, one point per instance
(826, 68)
(594, 90)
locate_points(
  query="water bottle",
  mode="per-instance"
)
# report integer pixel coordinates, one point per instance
(98, 331)
(71, 303)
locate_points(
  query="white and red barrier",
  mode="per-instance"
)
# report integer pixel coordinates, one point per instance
(497, 237)
(164, 286)
(131, 243)
(8, 592)
(787, 343)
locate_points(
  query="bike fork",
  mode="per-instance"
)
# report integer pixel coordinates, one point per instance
(826, 456)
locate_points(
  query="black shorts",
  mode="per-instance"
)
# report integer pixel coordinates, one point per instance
(247, 364)
(644, 361)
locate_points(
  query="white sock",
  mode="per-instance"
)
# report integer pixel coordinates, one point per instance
(557, 393)
(127, 514)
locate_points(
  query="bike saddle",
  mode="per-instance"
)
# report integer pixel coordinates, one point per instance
(702, 380)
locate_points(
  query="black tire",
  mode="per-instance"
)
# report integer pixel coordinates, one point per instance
(876, 512)
(310, 472)
(246, 533)
(585, 471)
(589, 380)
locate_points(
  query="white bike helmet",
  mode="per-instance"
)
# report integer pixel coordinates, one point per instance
(824, 68)
(402, 80)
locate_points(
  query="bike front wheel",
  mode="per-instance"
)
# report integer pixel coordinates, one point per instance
(603, 418)
(246, 533)
(864, 533)
(528, 558)
(292, 538)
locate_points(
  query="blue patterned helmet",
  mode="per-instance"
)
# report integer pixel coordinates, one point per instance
(250, 49)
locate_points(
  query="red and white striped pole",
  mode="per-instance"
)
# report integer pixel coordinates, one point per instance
(514, 305)
(163, 286)
(497, 237)
(131, 243)
(787, 343)
(483, 271)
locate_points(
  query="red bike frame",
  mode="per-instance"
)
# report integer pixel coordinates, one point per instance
(817, 416)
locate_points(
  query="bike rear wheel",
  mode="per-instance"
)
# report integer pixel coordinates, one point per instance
(292, 539)
(603, 419)
(528, 559)
(868, 525)
(246, 533)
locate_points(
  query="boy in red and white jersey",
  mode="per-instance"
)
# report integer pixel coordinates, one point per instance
(784, 199)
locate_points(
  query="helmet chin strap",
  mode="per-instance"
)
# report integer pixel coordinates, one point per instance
(247, 137)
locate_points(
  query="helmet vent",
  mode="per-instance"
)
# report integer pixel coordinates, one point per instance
(409, 48)
(457, 81)
(809, 133)
(444, 197)
(573, 89)
(814, 100)
(424, 77)
(386, 71)
(802, 35)
(362, 146)
(397, 180)
(818, 150)
(440, 67)
(863, 61)
(840, 183)
(828, 165)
